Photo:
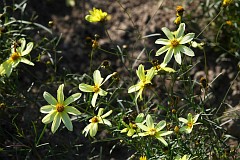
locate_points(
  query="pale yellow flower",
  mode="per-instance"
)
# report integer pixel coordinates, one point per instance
(175, 44)
(96, 88)
(58, 109)
(92, 128)
(17, 56)
(144, 80)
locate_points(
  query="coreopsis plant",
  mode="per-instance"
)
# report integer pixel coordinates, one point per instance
(174, 45)
(58, 109)
(92, 128)
(131, 127)
(17, 56)
(98, 82)
(96, 15)
(144, 80)
(190, 122)
(154, 130)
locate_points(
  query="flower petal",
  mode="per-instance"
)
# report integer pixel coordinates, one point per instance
(93, 129)
(6, 68)
(186, 129)
(46, 109)
(134, 88)
(60, 95)
(49, 98)
(163, 41)
(86, 129)
(109, 76)
(183, 120)
(94, 99)
(97, 78)
(187, 38)
(124, 130)
(180, 30)
(168, 56)
(162, 140)
(139, 118)
(142, 126)
(195, 118)
(140, 72)
(139, 94)
(107, 122)
(186, 50)
(72, 110)
(143, 134)
(165, 133)
(168, 33)
(130, 132)
(150, 74)
(86, 88)
(22, 41)
(28, 49)
(56, 123)
(26, 61)
(160, 125)
(177, 56)
(149, 121)
(189, 117)
(49, 117)
(67, 121)
(102, 92)
(162, 50)
(106, 114)
(72, 98)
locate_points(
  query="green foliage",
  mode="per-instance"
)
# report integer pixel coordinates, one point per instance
(146, 109)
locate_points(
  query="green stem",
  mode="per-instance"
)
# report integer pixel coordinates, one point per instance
(41, 135)
(227, 92)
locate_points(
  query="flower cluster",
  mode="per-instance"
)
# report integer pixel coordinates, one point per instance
(18, 51)
(58, 109)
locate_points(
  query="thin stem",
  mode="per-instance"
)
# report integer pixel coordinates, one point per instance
(209, 23)
(227, 92)
(41, 135)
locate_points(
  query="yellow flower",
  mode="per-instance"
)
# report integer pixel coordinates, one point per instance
(189, 123)
(132, 128)
(175, 44)
(144, 81)
(154, 130)
(162, 67)
(59, 108)
(143, 158)
(96, 15)
(92, 128)
(16, 57)
(96, 88)
(226, 3)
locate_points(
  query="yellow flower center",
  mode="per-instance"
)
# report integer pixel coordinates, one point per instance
(189, 124)
(14, 56)
(157, 67)
(174, 43)
(96, 89)
(142, 84)
(152, 131)
(133, 125)
(94, 120)
(60, 107)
